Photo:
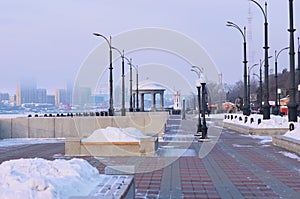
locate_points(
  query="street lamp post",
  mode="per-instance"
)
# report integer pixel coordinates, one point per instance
(279, 93)
(123, 111)
(260, 81)
(204, 127)
(137, 87)
(246, 109)
(292, 105)
(266, 107)
(111, 104)
(260, 89)
(260, 85)
(249, 71)
(276, 109)
(183, 108)
(130, 86)
(298, 70)
(198, 70)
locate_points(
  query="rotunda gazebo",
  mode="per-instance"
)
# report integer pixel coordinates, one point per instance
(148, 87)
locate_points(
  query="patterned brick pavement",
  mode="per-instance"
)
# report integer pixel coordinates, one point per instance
(237, 167)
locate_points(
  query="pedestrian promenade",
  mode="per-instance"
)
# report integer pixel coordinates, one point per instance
(238, 166)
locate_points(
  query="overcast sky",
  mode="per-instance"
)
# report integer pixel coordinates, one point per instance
(49, 40)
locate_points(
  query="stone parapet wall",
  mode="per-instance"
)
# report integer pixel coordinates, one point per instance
(148, 123)
(290, 144)
(254, 131)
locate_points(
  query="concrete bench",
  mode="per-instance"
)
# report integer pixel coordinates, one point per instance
(77, 147)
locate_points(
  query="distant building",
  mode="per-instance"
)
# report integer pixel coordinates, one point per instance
(13, 99)
(26, 92)
(51, 99)
(60, 97)
(41, 95)
(64, 96)
(4, 96)
(85, 95)
(69, 88)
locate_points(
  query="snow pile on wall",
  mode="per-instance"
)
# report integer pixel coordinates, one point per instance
(273, 122)
(40, 178)
(112, 134)
(295, 133)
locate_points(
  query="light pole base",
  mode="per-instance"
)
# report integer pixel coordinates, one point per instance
(123, 112)
(266, 112)
(203, 140)
(111, 112)
(292, 112)
(198, 134)
(276, 110)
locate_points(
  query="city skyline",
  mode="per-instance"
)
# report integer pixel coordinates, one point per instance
(50, 40)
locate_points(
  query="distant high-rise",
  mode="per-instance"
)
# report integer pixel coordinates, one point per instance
(26, 92)
(61, 97)
(41, 95)
(51, 99)
(4, 96)
(69, 89)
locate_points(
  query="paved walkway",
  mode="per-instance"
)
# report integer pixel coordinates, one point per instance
(237, 166)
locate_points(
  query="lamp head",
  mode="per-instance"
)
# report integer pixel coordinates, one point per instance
(229, 23)
(202, 78)
(97, 34)
(279, 90)
(198, 83)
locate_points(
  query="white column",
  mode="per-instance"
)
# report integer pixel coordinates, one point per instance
(153, 102)
(161, 104)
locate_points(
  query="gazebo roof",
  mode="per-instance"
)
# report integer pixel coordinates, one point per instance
(148, 85)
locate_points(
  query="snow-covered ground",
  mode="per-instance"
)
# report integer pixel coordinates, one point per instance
(263, 139)
(290, 155)
(273, 122)
(40, 178)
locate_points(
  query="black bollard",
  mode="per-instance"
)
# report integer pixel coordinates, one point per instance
(259, 121)
(291, 126)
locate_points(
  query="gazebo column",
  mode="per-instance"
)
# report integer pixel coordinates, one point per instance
(161, 104)
(153, 102)
(142, 102)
